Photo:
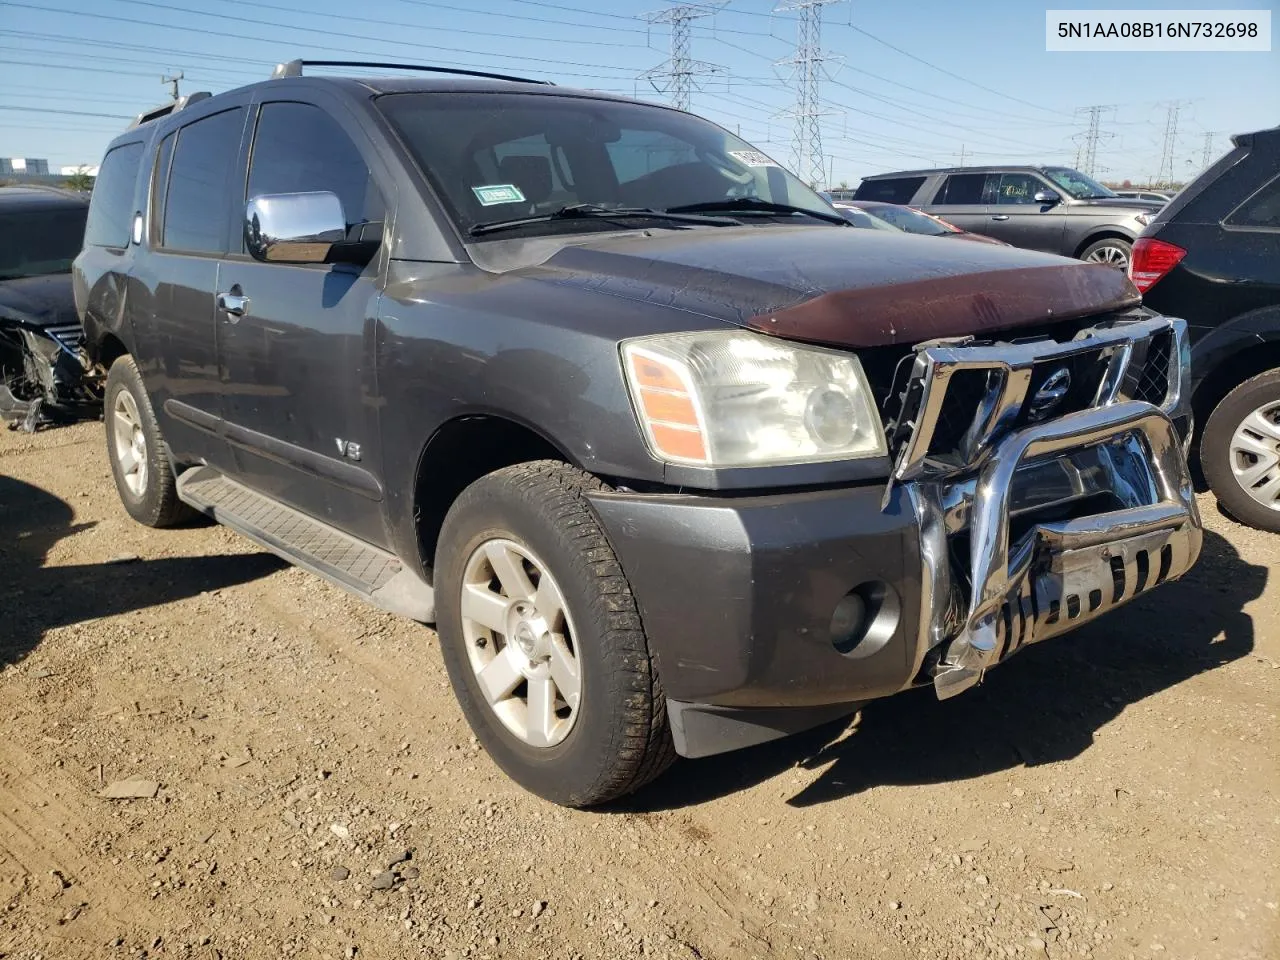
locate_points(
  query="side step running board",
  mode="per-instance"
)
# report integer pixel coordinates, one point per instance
(338, 557)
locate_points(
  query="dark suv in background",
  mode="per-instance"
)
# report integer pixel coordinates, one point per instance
(1054, 209)
(675, 459)
(1212, 256)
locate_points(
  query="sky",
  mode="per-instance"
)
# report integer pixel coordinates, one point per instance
(910, 84)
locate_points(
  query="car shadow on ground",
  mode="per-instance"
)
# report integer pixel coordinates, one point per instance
(35, 597)
(1043, 706)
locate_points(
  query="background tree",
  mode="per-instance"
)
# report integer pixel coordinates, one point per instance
(80, 180)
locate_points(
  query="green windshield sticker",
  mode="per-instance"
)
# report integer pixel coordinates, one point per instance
(752, 158)
(498, 193)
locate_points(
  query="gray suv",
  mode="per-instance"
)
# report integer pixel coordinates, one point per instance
(1054, 209)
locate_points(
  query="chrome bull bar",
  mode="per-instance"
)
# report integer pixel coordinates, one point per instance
(1060, 573)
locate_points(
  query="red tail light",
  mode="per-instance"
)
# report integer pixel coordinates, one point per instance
(1151, 260)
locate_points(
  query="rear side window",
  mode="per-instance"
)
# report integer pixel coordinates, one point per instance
(961, 188)
(298, 148)
(892, 190)
(195, 204)
(111, 205)
(1260, 211)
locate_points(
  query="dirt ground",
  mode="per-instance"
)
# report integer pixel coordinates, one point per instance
(1109, 794)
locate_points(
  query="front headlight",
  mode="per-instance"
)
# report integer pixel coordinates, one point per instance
(734, 399)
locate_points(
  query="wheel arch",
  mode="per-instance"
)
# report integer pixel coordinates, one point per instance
(1233, 353)
(1106, 233)
(461, 451)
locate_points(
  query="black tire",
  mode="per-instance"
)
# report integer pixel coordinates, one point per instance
(157, 504)
(620, 739)
(1123, 248)
(1216, 456)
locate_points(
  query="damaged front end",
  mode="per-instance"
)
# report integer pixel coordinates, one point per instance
(1049, 481)
(46, 376)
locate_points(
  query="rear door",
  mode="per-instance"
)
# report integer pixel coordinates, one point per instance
(296, 366)
(1015, 217)
(187, 235)
(963, 199)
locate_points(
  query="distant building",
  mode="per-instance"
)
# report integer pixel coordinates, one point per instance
(24, 165)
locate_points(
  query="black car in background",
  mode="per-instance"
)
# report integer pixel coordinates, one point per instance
(45, 375)
(1212, 257)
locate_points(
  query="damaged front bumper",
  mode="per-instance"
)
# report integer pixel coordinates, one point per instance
(1020, 507)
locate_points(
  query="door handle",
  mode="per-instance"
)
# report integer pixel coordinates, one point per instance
(233, 304)
(1000, 216)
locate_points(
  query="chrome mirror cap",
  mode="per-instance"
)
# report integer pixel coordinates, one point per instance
(293, 227)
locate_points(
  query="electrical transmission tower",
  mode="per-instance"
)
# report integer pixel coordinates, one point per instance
(676, 77)
(807, 66)
(1168, 171)
(1208, 148)
(1087, 143)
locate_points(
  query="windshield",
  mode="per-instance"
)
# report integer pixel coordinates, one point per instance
(912, 221)
(38, 242)
(1076, 184)
(494, 157)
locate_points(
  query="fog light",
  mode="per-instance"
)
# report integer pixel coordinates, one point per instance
(848, 622)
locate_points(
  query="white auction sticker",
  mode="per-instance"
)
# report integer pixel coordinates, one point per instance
(1135, 31)
(752, 158)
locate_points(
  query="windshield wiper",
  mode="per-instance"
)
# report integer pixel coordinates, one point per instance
(594, 211)
(755, 205)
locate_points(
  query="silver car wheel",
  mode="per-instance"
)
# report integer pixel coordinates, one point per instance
(1255, 455)
(520, 642)
(1116, 257)
(130, 444)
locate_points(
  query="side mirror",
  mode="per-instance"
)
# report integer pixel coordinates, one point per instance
(1046, 196)
(293, 227)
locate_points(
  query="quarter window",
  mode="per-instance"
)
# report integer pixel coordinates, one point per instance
(195, 204)
(1262, 210)
(111, 205)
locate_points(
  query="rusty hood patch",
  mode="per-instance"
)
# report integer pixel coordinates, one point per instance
(953, 306)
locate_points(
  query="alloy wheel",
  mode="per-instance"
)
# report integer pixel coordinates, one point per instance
(130, 443)
(1112, 256)
(520, 642)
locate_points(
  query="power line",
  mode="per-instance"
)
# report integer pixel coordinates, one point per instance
(676, 77)
(1208, 148)
(807, 62)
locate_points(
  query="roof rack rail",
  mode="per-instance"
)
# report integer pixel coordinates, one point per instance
(293, 68)
(173, 106)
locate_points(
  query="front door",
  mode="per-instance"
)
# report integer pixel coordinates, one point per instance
(295, 340)
(1018, 219)
(962, 199)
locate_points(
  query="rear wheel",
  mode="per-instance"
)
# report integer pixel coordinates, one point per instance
(542, 639)
(1112, 251)
(1240, 451)
(135, 447)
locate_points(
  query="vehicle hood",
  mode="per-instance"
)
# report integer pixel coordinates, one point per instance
(40, 301)
(845, 287)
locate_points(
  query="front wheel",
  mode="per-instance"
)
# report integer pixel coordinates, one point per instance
(1112, 251)
(542, 639)
(1240, 452)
